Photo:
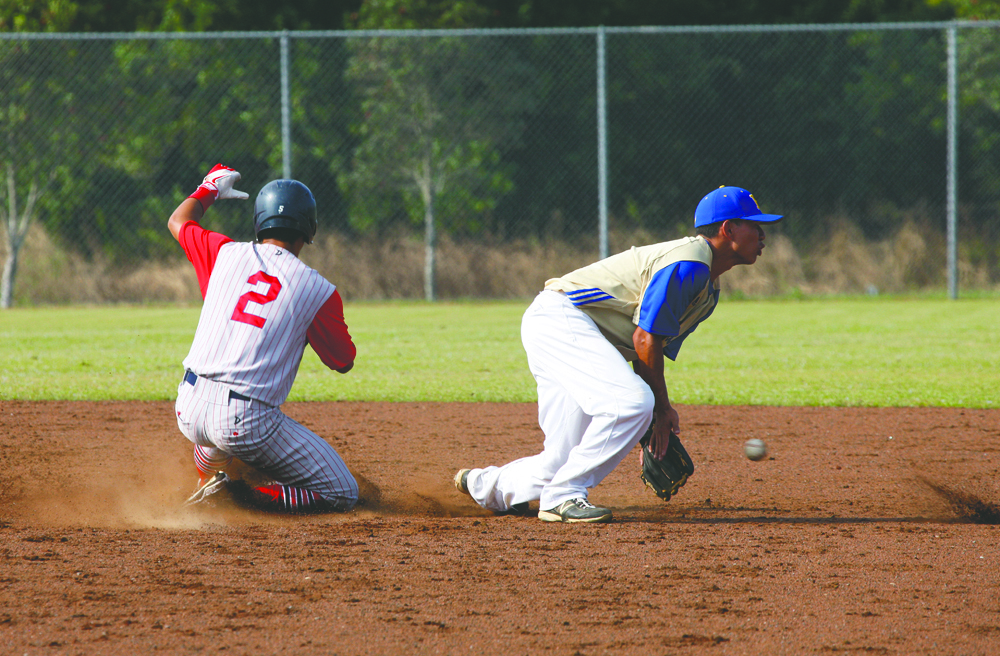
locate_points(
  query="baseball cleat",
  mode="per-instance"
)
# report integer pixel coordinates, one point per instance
(462, 481)
(576, 511)
(517, 510)
(208, 488)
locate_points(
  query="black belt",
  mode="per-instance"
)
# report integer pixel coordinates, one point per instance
(191, 378)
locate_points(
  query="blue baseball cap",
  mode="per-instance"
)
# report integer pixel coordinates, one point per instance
(730, 203)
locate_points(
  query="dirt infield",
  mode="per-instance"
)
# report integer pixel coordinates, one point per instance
(866, 531)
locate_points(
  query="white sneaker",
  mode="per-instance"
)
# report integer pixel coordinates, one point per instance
(576, 511)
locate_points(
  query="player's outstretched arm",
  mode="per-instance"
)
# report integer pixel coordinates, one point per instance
(649, 367)
(218, 184)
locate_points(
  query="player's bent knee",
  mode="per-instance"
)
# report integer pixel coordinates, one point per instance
(638, 405)
(344, 498)
(339, 502)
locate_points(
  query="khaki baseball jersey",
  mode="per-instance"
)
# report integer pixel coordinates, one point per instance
(665, 288)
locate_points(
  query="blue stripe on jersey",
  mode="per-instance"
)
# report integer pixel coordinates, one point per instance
(586, 296)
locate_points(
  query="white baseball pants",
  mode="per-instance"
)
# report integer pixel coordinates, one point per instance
(265, 438)
(592, 407)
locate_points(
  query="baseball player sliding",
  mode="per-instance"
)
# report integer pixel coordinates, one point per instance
(262, 305)
(581, 333)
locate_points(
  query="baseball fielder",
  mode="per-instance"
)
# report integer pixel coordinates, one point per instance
(581, 334)
(262, 306)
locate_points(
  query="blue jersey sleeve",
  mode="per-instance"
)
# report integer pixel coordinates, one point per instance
(668, 295)
(673, 347)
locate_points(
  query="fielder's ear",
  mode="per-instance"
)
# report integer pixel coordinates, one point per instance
(729, 225)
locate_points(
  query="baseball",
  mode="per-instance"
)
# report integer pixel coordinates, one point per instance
(755, 449)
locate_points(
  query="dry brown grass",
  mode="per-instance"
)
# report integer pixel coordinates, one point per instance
(391, 269)
(913, 258)
(48, 274)
(910, 259)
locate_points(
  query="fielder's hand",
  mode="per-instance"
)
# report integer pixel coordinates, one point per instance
(218, 184)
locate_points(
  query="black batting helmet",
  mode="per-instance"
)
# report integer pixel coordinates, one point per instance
(285, 204)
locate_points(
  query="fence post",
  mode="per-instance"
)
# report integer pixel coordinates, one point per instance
(286, 112)
(602, 147)
(952, 196)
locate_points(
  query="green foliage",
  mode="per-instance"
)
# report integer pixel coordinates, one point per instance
(489, 136)
(37, 15)
(194, 15)
(433, 116)
(591, 13)
(183, 106)
(50, 130)
(209, 15)
(840, 352)
(180, 107)
(971, 9)
(979, 81)
(180, 104)
(418, 14)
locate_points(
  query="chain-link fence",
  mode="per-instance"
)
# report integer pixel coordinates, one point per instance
(464, 163)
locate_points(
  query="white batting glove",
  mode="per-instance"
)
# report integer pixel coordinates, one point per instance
(218, 184)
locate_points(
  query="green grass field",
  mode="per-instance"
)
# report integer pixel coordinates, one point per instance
(843, 352)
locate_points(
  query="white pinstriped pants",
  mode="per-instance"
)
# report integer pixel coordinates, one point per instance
(264, 438)
(592, 407)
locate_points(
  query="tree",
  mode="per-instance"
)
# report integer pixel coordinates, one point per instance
(30, 151)
(979, 55)
(434, 113)
(971, 9)
(210, 15)
(40, 16)
(591, 13)
(158, 111)
(186, 105)
(979, 143)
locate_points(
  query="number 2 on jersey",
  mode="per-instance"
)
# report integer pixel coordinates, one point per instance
(274, 286)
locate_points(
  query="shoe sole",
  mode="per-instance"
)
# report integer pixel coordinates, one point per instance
(208, 489)
(458, 481)
(549, 516)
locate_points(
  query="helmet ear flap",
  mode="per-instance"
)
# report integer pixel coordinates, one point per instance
(285, 204)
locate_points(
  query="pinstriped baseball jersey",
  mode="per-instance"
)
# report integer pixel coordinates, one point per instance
(259, 304)
(665, 288)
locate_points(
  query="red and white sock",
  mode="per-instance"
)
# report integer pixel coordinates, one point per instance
(285, 498)
(209, 460)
